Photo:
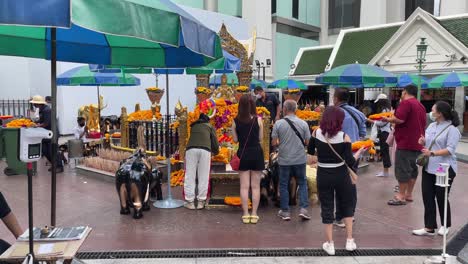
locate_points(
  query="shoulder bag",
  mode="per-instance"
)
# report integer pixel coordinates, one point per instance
(235, 161)
(353, 175)
(295, 131)
(422, 160)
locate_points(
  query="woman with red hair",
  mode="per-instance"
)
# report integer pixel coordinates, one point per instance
(333, 179)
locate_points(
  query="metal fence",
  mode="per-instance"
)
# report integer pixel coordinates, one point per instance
(14, 107)
(155, 135)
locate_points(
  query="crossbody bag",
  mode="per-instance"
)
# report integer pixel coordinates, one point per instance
(295, 131)
(353, 175)
(422, 160)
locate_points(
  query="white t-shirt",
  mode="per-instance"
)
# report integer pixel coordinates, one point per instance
(78, 131)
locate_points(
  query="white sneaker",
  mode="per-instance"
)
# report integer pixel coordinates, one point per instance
(329, 247)
(423, 232)
(382, 174)
(442, 230)
(350, 244)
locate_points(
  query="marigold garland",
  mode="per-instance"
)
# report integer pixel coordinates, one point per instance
(242, 89)
(235, 201)
(22, 122)
(154, 89)
(359, 144)
(380, 116)
(308, 115)
(223, 155)
(143, 115)
(202, 90)
(177, 178)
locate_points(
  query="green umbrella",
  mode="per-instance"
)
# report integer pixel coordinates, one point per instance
(454, 79)
(356, 75)
(154, 33)
(288, 84)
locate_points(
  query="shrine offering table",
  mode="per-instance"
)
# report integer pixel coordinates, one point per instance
(223, 182)
(66, 250)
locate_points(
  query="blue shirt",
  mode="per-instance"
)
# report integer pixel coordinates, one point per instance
(355, 130)
(447, 140)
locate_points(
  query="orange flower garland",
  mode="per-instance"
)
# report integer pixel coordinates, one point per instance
(359, 144)
(223, 156)
(177, 178)
(143, 115)
(154, 89)
(235, 201)
(22, 122)
(380, 116)
(308, 115)
(261, 111)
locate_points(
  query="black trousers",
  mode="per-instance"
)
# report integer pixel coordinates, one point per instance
(339, 215)
(384, 149)
(334, 184)
(47, 152)
(432, 193)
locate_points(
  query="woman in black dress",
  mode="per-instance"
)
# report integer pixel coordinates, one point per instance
(247, 129)
(332, 173)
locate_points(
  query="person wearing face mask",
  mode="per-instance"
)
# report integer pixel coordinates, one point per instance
(45, 121)
(81, 130)
(410, 121)
(440, 142)
(269, 101)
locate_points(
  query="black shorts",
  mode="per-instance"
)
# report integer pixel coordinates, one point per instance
(405, 165)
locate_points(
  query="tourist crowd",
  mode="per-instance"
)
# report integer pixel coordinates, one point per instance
(404, 136)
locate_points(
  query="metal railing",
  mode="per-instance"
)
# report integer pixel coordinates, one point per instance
(155, 134)
(14, 107)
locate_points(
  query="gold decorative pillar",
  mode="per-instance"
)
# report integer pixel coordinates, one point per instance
(182, 117)
(203, 80)
(124, 128)
(244, 77)
(266, 137)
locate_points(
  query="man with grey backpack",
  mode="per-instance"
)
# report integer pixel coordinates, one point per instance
(291, 135)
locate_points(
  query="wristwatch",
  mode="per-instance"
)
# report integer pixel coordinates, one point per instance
(432, 154)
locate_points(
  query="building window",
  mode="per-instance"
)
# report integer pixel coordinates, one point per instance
(344, 13)
(273, 6)
(295, 9)
(411, 5)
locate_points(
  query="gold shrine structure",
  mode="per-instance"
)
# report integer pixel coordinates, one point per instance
(225, 91)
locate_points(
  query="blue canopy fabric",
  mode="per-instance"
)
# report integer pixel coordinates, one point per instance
(82, 76)
(231, 64)
(407, 79)
(51, 13)
(357, 75)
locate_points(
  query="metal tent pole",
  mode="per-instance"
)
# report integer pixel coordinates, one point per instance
(169, 202)
(53, 84)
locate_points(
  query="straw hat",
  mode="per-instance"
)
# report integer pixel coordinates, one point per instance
(37, 99)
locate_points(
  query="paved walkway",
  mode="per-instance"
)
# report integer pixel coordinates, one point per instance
(285, 260)
(85, 200)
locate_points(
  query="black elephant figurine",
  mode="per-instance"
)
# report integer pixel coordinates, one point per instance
(133, 180)
(155, 185)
